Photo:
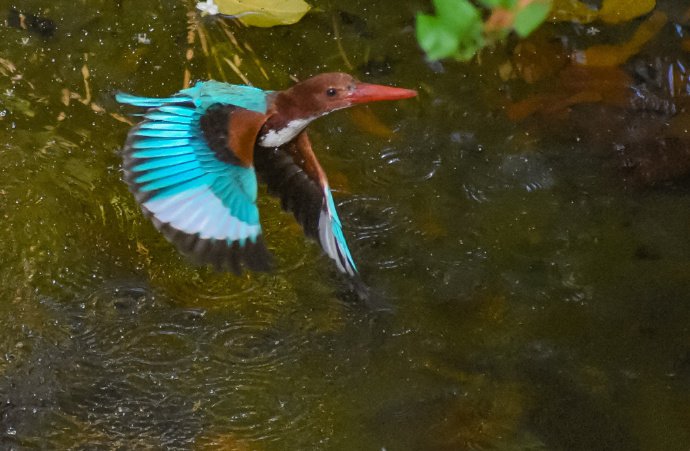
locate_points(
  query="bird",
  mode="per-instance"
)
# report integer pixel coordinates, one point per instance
(194, 162)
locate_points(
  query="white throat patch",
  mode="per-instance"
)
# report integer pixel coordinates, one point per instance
(275, 138)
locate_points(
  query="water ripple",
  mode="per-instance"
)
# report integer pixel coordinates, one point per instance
(206, 287)
(475, 193)
(246, 362)
(528, 171)
(139, 365)
(379, 230)
(400, 166)
(369, 217)
(256, 344)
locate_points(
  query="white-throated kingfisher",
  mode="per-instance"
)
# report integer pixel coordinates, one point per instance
(193, 162)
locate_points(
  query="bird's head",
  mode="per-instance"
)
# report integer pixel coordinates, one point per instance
(332, 91)
(294, 108)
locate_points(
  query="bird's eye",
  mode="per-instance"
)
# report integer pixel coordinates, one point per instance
(330, 92)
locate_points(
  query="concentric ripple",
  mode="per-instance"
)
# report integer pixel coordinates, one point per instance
(369, 217)
(395, 166)
(379, 230)
(254, 344)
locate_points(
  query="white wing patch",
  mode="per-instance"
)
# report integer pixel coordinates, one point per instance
(200, 211)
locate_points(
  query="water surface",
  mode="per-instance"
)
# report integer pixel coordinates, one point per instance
(540, 292)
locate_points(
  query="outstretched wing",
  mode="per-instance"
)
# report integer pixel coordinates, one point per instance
(293, 173)
(201, 195)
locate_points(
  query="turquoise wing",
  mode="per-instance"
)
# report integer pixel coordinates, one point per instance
(205, 94)
(202, 204)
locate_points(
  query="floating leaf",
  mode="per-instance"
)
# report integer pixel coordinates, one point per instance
(616, 11)
(264, 13)
(612, 11)
(614, 55)
(524, 108)
(572, 11)
(612, 83)
(578, 84)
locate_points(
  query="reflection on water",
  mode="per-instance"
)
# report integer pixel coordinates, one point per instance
(538, 267)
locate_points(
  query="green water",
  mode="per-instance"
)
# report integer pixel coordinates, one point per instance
(540, 301)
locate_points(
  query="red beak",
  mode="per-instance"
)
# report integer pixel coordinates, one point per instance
(365, 92)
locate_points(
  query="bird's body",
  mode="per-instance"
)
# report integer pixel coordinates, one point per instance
(193, 162)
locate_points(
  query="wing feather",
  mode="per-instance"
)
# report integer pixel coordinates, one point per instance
(204, 205)
(292, 172)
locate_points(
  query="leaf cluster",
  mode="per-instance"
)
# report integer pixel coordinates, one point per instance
(460, 28)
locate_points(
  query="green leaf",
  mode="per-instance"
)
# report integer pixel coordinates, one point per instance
(264, 13)
(530, 17)
(435, 37)
(505, 4)
(457, 14)
(456, 30)
(470, 42)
